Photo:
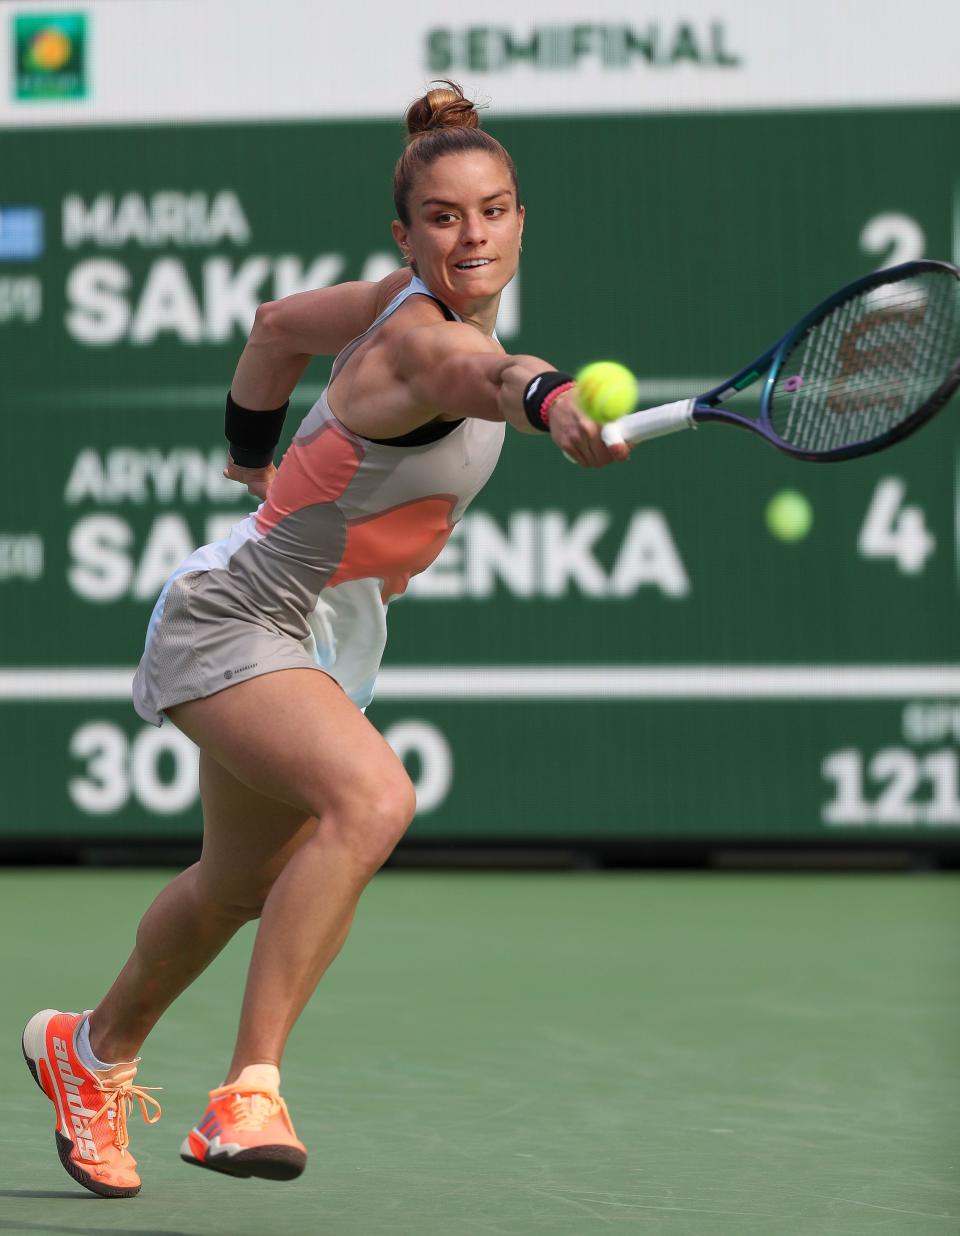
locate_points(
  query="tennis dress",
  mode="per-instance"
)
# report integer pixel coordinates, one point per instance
(304, 581)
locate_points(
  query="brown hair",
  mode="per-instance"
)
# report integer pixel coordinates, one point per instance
(443, 122)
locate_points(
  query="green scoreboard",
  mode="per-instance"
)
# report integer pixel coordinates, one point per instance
(638, 653)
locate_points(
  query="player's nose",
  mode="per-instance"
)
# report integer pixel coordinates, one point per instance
(473, 230)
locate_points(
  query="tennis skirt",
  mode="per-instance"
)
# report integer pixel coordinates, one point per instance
(204, 637)
(192, 651)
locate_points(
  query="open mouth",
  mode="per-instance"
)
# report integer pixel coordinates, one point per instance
(473, 263)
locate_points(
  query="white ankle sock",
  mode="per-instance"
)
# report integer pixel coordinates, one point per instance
(85, 1051)
(261, 1076)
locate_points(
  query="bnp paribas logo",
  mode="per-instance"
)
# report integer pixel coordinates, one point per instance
(495, 49)
(51, 55)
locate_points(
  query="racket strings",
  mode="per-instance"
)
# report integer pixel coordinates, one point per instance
(869, 364)
(815, 362)
(852, 395)
(808, 428)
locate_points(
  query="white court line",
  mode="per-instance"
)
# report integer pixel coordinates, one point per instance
(499, 682)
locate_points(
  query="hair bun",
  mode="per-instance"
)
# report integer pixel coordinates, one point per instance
(441, 108)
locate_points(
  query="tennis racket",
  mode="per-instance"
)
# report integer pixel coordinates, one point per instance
(863, 370)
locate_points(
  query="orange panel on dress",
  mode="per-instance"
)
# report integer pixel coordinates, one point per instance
(318, 472)
(396, 544)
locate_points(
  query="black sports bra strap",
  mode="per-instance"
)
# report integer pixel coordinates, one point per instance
(433, 431)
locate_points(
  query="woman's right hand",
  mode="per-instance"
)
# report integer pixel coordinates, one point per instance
(257, 480)
(579, 437)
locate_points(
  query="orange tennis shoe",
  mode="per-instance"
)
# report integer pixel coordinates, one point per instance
(246, 1131)
(92, 1107)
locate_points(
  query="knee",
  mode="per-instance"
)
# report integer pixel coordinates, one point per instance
(370, 820)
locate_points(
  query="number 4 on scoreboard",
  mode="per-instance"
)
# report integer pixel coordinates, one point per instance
(893, 530)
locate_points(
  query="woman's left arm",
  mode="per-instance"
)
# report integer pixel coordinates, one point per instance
(286, 335)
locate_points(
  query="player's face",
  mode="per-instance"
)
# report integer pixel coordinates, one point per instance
(465, 228)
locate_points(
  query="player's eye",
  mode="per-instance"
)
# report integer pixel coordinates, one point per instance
(496, 210)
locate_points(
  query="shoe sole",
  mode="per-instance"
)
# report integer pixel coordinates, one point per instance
(64, 1145)
(264, 1162)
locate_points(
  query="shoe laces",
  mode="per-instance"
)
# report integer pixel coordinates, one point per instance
(121, 1100)
(252, 1109)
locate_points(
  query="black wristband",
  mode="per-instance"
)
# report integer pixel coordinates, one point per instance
(538, 389)
(253, 436)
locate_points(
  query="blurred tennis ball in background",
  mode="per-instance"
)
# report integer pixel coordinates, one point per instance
(789, 515)
(606, 391)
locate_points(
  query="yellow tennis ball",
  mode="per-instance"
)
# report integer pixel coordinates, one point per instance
(789, 515)
(606, 391)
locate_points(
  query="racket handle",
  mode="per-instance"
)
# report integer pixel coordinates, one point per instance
(651, 423)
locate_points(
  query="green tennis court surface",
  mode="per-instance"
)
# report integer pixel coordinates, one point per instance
(556, 1054)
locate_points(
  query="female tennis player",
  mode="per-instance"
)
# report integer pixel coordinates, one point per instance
(264, 648)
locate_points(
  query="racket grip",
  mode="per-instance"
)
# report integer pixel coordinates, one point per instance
(651, 423)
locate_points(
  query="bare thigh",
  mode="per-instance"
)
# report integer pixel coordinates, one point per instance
(295, 738)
